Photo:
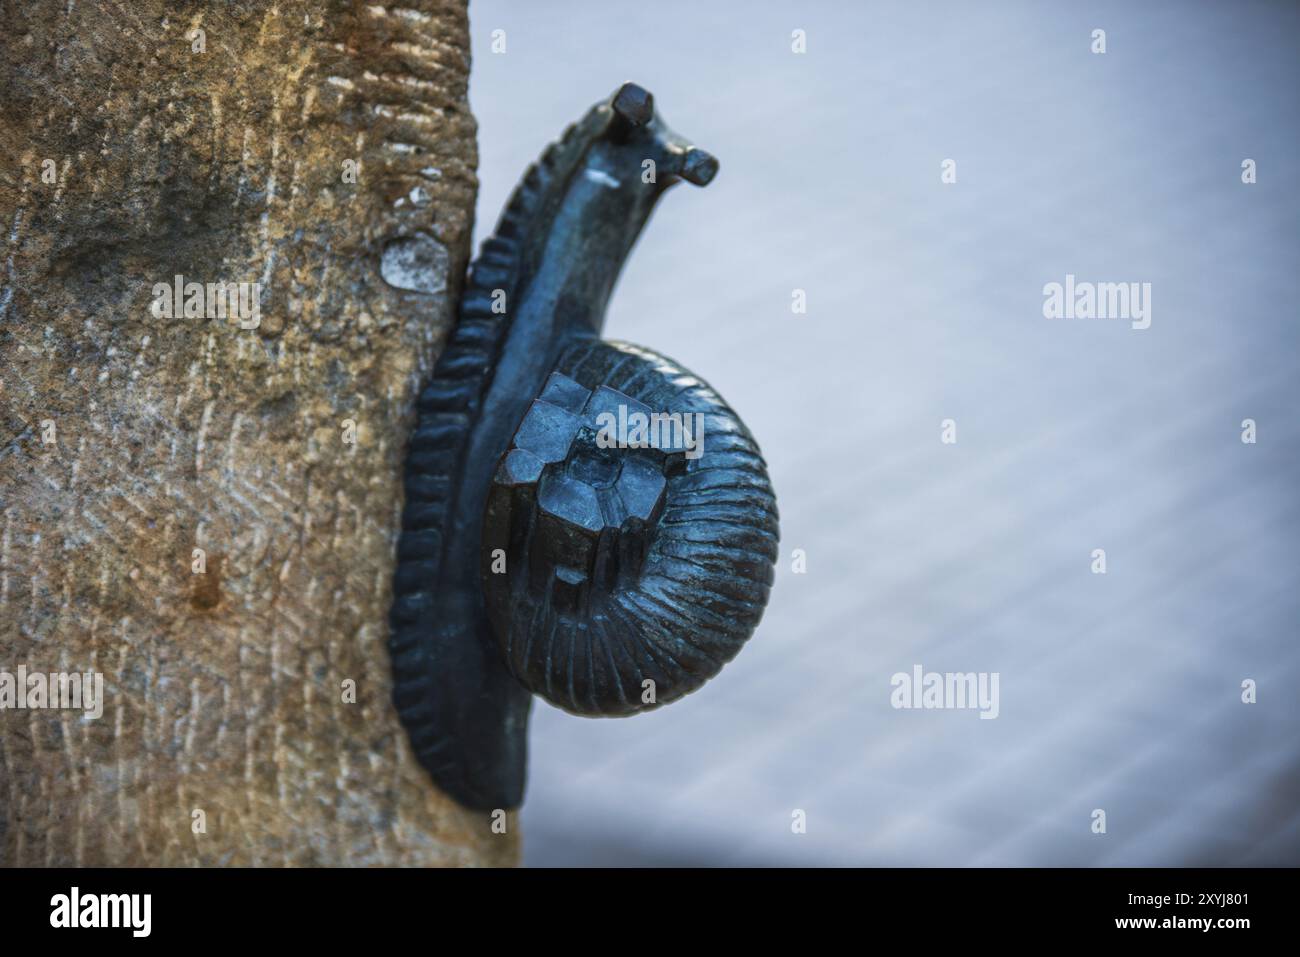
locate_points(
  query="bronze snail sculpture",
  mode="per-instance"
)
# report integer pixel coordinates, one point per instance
(534, 557)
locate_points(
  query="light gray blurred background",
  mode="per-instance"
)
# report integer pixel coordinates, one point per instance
(1119, 691)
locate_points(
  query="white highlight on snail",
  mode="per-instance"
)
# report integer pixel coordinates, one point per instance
(946, 690)
(56, 690)
(666, 431)
(179, 299)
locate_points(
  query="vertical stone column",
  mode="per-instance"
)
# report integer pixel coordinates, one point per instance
(204, 509)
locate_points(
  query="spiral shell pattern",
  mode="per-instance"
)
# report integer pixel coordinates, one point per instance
(666, 602)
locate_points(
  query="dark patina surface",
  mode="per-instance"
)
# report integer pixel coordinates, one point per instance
(533, 559)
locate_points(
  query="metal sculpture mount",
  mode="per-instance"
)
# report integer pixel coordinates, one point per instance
(546, 548)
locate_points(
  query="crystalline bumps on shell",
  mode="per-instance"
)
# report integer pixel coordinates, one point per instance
(575, 511)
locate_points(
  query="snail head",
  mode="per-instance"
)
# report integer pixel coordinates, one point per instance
(629, 158)
(634, 123)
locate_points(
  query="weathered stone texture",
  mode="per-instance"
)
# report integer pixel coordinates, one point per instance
(127, 441)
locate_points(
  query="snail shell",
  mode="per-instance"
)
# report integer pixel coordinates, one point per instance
(632, 575)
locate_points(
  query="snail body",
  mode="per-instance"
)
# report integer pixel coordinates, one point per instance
(532, 559)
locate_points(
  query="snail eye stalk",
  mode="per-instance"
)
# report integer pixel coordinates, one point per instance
(633, 107)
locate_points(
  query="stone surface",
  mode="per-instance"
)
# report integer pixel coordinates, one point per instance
(327, 153)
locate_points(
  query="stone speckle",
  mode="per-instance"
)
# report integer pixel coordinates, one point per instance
(416, 264)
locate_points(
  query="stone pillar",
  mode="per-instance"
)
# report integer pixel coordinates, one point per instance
(204, 509)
